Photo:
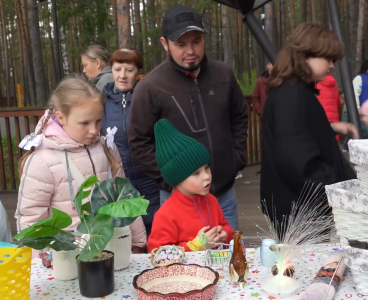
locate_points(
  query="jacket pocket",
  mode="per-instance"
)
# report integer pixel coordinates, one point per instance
(194, 110)
(186, 118)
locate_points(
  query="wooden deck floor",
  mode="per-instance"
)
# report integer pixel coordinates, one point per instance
(247, 189)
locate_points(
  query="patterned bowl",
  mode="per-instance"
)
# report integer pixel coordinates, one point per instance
(177, 281)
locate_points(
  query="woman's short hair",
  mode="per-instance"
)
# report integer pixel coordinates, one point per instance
(128, 56)
(307, 41)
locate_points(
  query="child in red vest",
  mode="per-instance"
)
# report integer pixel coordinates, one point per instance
(191, 216)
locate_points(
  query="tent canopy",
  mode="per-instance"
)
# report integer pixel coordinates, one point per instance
(245, 6)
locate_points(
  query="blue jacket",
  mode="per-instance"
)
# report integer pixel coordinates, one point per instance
(116, 113)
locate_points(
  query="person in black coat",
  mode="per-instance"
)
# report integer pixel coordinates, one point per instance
(299, 143)
(126, 66)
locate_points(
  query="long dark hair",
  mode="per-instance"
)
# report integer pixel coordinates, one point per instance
(308, 40)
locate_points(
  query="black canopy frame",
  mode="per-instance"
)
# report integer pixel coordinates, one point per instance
(247, 8)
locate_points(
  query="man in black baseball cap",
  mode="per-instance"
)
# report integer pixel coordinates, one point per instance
(203, 100)
(179, 20)
(183, 37)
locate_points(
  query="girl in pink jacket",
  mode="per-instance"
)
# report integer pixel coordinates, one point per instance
(67, 145)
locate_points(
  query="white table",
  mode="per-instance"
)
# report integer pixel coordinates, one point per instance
(44, 286)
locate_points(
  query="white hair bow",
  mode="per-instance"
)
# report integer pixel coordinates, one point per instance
(110, 136)
(31, 140)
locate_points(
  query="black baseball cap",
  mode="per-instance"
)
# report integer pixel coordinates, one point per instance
(179, 20)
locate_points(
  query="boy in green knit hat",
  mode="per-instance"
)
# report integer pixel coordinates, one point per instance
(191, 216)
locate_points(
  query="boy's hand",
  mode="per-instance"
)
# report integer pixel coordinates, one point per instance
(211, 235)
(222, 235)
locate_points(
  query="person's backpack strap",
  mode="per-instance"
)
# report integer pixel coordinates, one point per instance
(75, 173)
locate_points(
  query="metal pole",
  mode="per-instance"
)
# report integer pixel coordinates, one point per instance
(261, 37)
(345, 70)
(56, 36)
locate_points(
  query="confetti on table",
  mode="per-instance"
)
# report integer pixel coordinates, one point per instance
(44, 284)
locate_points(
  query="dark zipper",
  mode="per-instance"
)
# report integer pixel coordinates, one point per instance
(129, 159)
(90, 158)
(194, 109)
(207, 128)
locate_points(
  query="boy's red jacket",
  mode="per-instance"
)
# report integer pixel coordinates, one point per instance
(178, 221)
(330, 99)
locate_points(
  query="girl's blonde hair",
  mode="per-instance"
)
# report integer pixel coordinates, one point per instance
(95, 52)
(66, 96)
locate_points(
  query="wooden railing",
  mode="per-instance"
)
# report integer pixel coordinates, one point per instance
(15, 123)
(253, 155)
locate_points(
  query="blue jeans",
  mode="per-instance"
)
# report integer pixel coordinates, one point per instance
(164, 196)
(227, 202)
(230, 207)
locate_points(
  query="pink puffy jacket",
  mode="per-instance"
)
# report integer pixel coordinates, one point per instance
(44, 182)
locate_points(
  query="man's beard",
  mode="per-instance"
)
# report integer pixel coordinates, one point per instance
(191, 68)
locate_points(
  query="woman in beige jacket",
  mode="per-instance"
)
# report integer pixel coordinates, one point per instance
(70, 127)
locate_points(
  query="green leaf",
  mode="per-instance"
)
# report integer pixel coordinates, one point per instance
(86, 224)
(101, 233)
(127, 208)
(81, 194)
(87, 207)
(126, 189)
(122, 222)
(113, 191)
(37, 243)
(105, 192)
(64, 242)
(48, 227)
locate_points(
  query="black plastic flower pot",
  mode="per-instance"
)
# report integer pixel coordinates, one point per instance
(96, 278)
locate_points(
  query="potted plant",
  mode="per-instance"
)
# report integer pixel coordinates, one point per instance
(95, 265)
(108, 192)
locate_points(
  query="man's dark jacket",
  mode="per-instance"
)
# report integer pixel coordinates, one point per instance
(298, 146)
(210, 108)
(117, 113)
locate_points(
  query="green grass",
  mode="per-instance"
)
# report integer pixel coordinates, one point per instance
(243, 82)
(7, 163)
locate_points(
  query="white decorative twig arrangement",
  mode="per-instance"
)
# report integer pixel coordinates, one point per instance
(309, 223)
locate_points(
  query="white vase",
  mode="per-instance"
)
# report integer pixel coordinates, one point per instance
(64, 264)
(121, 246)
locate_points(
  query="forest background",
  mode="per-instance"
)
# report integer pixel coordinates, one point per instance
(28, 54)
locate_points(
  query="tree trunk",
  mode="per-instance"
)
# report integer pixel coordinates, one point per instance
(30, 69)
(6, 52)
(359, 42)
(365, 36)
(138, 27)
(247, 54)
(38, 66)
(123, 14)
(314, 12)
(292, 14)
(269, 28)
(275, 24)
(207, 21)
(22, 50)
(155, 51)
(346, 28)
(304, 11)
(278, 25)
(283, 23)
(216, 33)
(226, 36)
(352, 31)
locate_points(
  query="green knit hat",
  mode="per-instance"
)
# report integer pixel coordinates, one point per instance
(178, 156)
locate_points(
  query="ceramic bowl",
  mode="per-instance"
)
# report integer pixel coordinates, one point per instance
(177, 281)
